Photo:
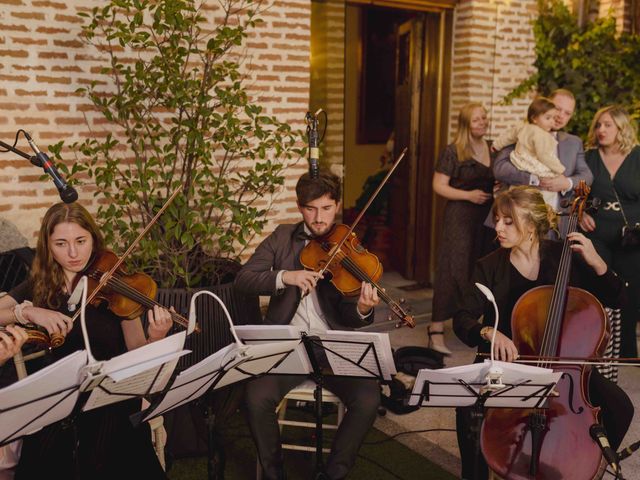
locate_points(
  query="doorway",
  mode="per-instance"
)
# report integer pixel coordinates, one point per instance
(395, 91)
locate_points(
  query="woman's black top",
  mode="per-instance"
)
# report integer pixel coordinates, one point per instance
(496, 272)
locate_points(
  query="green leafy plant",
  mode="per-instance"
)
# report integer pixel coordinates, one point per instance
(178, 116)
(599, 65)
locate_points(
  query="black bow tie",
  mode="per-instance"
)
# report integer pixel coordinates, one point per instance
(302, 235)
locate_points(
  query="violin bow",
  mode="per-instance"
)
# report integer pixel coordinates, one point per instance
(338, 247)
(107, 276)
(618, 362)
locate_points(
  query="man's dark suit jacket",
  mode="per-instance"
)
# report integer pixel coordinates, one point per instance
(281, 251)
(570, 153)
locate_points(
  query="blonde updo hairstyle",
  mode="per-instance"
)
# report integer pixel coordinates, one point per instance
(627, 137)
(523, 202)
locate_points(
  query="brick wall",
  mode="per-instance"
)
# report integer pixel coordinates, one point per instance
(492, 52)
(43, 61)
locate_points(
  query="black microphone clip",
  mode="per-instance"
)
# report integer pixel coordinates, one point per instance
(67, 193)
(312, 137)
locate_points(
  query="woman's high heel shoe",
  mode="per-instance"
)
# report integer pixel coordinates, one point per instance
(438, 348)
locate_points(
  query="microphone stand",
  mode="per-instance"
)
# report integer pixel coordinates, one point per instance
(32, 158)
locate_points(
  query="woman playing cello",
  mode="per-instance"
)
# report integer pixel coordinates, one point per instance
(108, 445)
(524, 261)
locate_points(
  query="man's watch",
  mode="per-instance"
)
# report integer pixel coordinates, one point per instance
(484, 331)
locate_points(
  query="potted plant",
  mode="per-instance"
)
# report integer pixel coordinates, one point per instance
(172, 94)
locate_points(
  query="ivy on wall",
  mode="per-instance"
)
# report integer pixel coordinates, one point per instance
(599, 65)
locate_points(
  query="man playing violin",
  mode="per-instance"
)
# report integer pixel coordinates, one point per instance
(108, 445)
(304, 299)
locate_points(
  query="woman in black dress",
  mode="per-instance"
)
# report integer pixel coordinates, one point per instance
(524, 261)
(463, 176)
(108, 445)
(614, 159)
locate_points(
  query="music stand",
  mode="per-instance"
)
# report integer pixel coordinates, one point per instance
(333, 353)
(477, 386)
(43, 398)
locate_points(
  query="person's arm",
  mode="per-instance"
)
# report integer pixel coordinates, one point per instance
(361, 312)
(442, 187)
(257, 276)
(594, 274)
(11, 342)
(582, 170)
(471, 307)
(505, 172)
(7, 316)
(159, 320)
(50, 320)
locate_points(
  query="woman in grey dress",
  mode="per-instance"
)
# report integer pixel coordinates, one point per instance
(463, 176)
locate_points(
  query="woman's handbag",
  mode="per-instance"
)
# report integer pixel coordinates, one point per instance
(630, 233)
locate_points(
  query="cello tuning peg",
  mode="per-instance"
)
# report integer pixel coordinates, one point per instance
(389, 318)
(402, 301)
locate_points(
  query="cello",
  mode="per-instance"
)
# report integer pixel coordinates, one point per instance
(553, 321)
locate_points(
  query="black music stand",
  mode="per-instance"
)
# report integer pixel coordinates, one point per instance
(333, 353)
(234, 363)
(488, 384)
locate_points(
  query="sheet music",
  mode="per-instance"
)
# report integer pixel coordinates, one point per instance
(136, 373)
(42, 398)
(225, 367)
(447, 390)
(297, 362)
(356, 346)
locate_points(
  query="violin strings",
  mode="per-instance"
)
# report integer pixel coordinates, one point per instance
(354, 269)
(558, 299)
(123, 288)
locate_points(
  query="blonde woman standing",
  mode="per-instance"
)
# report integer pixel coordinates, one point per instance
(463, 176)
(614, 160)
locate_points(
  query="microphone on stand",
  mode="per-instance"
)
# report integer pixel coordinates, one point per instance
(67, 193)
(600, 436)
(312, 137)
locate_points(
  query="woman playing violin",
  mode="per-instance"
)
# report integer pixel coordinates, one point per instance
(524, 261)
(109, 447)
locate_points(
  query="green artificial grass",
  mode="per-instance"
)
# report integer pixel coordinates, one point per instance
(380, 458)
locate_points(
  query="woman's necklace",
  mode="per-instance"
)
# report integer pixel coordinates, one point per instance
(480, 151)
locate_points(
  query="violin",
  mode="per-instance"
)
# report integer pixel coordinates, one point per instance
(350, 265)
(128, 295)
(552, 321)
(38, 337)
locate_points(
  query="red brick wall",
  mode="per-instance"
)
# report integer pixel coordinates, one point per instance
(43, 61)
(492, 52)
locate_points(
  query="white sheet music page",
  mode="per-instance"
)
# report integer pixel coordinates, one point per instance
(138, 372)
(525, 385)
(225, 367)
(364, 360)
(295, 363)
(42, 398)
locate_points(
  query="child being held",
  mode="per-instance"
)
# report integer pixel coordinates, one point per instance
(536, 148)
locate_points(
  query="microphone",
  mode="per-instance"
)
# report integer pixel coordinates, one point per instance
(622, 454)
(312, 137)
(599, 435)
(67, 193)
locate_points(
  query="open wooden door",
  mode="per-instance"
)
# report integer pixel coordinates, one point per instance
(402, 201)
